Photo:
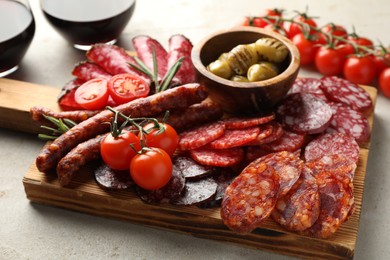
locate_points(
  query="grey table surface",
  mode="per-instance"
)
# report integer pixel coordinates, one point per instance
(30, 231)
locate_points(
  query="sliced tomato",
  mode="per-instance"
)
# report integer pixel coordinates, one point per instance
(126, 87)
(93, 94)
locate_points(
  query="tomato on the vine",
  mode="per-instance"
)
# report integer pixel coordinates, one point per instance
(382, 62)
(359, 70)
(126, 87)
(329, 61)
(262, 22)
(151, 169)
(384, 82)
(296, 27)
(166, 138)
(117, 152)
(93, 94)
(334, 30)
(307, 48)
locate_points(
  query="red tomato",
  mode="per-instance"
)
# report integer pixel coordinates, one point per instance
(306, 48)
(382, 62)
(329, 61)
(346, 49)
(296, 28)
(335, 30)
(362, 41)
(126, 87)
(245, 21)
(262, 22)
(117, 152)
(93, 94)
(166, 139)
(359, 70)
(151, 169)
(384, 82)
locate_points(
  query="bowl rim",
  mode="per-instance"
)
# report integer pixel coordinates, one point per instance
(291, 69)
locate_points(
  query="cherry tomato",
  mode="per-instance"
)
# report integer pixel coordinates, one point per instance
(362, 41)
(382, 62)
(359, 70)
(126, 87)
(384, 82)
(329, 61)
(117, 152)
(346, 49)
(166, 139)
(245, 21)
(93, 94)
(307, 48)
(151, 169)
(296, 28)
(262, 22)
(335, 30)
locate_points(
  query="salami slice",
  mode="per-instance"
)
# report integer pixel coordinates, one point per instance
(197, 191)
(234, 138)
(200, 136)
(287, 165)
(144, 46)
(269, 133)
(341, 90)
(250, 198)
(180, 46)
(336, 200)
(289, 141)
(332, 143)
(66, 97)
(300, 207)
(190, 169)
(218, 157)
(87, 70)
(338, 165)
(245, 122)
(170, 192)
(114, 60)
(110, 179)
(304, 113)
(307, 85)
(350, 122)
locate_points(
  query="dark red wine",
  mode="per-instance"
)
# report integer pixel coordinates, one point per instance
(85, 22)
(16, 34)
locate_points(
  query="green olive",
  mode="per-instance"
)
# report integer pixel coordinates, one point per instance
(241, 57)
(238, 78)
(262, 71)
(223, 56)
(220, 68)
(270, 49)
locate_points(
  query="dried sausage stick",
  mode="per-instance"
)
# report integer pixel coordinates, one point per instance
(77, 116)
(176, 98)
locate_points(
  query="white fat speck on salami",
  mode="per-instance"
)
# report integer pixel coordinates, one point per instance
(332, 143)
(304, 113)
(341, 90)
(218, 157)
(350, 122)
(200, 136)
(236, 137)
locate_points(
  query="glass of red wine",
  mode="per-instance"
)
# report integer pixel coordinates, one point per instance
(17, 28)
(86, 22)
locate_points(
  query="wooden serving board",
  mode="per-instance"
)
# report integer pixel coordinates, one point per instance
(84, 195)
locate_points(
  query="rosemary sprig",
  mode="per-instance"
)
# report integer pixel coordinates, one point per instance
(62, 125)
(153, 75)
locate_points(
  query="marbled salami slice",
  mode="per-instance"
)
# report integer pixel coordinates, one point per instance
(332, 143)
(304, 113)
(87, 70)
(218, 157)
(191, 169)
(287, 165)
(307, 85)
(110, 179)
(144, 46)
(197, 191)
(269, 133)
(250, 198)
(341, 90)
(300, 207)
(337, 200)
(170, 192)
(245, 122)
(289, 141)
(114, 60)
(350, 122)
(234, 138)
(200, 136)
(180, 46)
